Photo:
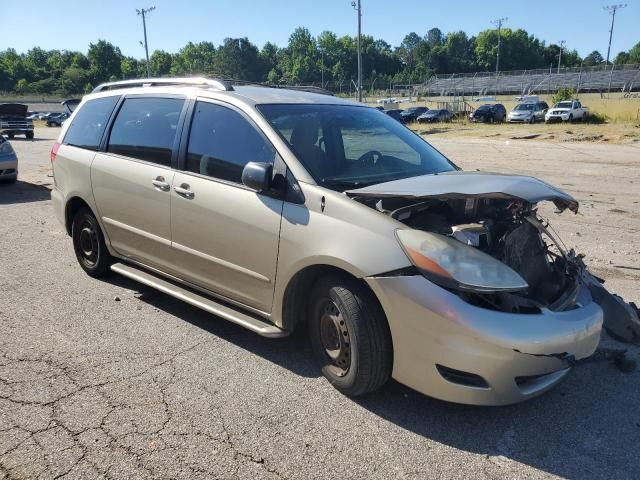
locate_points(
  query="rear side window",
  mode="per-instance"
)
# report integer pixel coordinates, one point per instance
(145, 128)
(222, 142)
(88, 125)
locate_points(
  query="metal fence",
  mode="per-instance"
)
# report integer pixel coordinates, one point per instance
(621, 78)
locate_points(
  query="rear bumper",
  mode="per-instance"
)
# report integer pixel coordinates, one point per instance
(518, 356)
(57, 200)
(8, 168)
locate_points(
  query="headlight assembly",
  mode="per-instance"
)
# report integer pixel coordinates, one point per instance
(452, 264)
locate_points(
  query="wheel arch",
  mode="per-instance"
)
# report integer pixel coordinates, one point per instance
(72, 206)
(296, 293)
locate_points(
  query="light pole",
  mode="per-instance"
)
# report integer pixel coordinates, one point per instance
(143, 12)
(499, 23)
(612, 9)
(356, 4)
(562, 42)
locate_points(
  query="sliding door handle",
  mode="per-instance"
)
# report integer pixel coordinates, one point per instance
(183, 191)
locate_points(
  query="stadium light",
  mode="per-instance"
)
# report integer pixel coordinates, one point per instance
(356, 5)
(612, 9)
(499, 23)
(144, 12)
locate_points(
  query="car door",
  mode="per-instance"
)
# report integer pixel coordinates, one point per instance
(132, 178)
(225, 236)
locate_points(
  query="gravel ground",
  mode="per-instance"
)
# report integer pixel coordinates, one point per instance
(110, 379)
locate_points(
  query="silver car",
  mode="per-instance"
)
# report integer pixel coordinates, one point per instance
(279, 209)
(529, 112)
(8, 161)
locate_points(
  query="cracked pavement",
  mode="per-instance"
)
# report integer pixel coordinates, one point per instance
(149, 387)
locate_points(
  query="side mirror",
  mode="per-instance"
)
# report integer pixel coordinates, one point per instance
(257, 176)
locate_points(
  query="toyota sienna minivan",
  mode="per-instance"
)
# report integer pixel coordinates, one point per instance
(279, 209)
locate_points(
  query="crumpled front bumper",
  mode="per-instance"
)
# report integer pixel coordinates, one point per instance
(519, 356)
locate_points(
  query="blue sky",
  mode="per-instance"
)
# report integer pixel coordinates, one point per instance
(72, 24)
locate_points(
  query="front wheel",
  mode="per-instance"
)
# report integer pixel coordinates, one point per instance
(88, 244)
(350, 335)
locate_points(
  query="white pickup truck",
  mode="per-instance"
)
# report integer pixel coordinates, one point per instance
(566, 111)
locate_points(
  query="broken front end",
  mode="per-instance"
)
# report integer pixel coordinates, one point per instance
(510, 308)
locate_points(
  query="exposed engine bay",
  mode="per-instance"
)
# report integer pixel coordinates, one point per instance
(511, 231)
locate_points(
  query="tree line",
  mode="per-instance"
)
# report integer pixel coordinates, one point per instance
(326, 59)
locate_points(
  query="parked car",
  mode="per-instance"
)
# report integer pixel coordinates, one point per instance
(14, 121)
(437, 115)
(8, 162)
(489, 113)
(56, 119)
(567, 111)
(529, 112)
(395, 114)
(287, 210)
(411, 114)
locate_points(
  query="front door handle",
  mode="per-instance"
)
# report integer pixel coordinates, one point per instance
(183, 190)
(160, 184)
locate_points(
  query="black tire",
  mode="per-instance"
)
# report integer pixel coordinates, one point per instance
(29, 135)
(350, 335)
(11, 136)
(88, 244)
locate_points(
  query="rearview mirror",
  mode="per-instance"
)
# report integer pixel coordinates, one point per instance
(257, 176)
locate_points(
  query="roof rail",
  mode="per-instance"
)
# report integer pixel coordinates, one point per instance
(301, 88)
(153, 82)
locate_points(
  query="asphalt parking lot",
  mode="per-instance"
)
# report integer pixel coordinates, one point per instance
(110, 379)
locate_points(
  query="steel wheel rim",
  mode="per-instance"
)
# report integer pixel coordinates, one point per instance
(334, 338)
(88, 244)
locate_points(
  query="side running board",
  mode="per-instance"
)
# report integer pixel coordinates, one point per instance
(249, 322)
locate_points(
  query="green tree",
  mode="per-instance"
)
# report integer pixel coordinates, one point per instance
(634, 53)
(593, 59)
(160, 62)
(104, 61)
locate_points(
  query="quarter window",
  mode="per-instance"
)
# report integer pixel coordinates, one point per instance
(88, 125)
(145, 128)
(222, 142)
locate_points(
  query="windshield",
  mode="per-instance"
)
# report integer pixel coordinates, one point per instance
(349, 146)
(484, 107)
(524, 107)
(563, 105)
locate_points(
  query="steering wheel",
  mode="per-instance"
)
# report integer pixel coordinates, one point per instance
(370, 158)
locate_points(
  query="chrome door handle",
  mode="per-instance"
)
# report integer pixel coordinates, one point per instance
(183, 190)
(160, 184)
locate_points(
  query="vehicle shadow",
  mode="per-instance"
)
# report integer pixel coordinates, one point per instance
(28, 140)
(586, 427)
(23, 192)
(293, 353)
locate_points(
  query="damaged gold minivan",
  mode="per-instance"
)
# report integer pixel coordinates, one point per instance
(279, 209)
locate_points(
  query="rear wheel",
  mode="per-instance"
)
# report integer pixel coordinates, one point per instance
(11, 136)
(88, 244)
(29, 135)
(350, 335)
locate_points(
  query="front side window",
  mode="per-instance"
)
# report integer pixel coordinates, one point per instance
(145, 128)
(348, 146)
(89, 124)
(222, 142)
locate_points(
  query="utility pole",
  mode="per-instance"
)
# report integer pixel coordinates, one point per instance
(499, 23)
(356, 4)
(562, 42)
(612, 9)
(144, 12)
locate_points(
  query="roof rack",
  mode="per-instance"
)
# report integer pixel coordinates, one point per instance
(153, 82)
(301, 88)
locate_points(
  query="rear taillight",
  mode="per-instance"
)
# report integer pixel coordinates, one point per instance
(54, 151)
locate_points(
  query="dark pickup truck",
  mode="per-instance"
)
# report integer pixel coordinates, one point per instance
(13, 120)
